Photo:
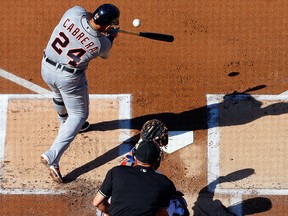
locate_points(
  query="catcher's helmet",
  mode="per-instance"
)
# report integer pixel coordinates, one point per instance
(147, 152)
(106, 14)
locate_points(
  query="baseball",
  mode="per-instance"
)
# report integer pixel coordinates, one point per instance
(136, 22)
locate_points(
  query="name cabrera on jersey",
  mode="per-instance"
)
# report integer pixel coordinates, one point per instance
(75, 42)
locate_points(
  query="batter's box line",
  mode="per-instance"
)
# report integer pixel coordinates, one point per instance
(261, 192)
(213, 145)
(124, 100)
(32, 191)
(213, 154)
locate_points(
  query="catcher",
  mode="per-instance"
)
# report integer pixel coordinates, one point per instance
(153, 130)
(136, 190)
(156, 131)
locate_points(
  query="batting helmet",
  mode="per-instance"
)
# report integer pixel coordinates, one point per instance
(106, 14)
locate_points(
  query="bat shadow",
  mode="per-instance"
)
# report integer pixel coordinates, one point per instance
(99, 161)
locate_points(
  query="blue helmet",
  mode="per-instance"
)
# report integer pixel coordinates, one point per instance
(106, 14)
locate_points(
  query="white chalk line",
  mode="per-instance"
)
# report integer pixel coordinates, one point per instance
(124, 116)
(3, 123)
(284, 93)
(213, 133)
(124, 113)
(213, 159)
(261, 192)
(32, 191)
(22, 82)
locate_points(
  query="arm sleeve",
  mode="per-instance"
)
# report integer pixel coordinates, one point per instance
(106, 187)
(105, 47)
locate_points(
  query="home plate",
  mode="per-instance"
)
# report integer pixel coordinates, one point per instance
(178, 140)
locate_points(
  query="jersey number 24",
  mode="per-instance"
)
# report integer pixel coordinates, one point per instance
(74, 54)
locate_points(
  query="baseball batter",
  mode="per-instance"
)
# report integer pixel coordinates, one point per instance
(78, 38)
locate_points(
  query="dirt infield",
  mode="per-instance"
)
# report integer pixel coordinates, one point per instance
(220, 47)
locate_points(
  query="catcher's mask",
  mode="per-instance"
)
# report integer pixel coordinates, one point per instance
(106, 14)
(148, 152)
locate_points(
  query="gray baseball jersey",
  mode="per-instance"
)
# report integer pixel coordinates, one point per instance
(73, 44)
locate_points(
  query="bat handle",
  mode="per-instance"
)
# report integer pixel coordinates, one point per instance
(128, 32)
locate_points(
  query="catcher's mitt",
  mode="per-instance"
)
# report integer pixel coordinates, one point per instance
(155, 130)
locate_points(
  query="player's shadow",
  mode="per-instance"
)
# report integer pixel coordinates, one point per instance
(236, 109)
(206, 205)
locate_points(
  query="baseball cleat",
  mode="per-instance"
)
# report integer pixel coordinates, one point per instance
(85, 127)
(55, 173)
(44, 160)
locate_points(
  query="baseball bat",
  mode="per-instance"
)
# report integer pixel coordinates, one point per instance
(151, 35)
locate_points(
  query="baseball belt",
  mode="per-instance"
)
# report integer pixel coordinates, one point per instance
(60, 66)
